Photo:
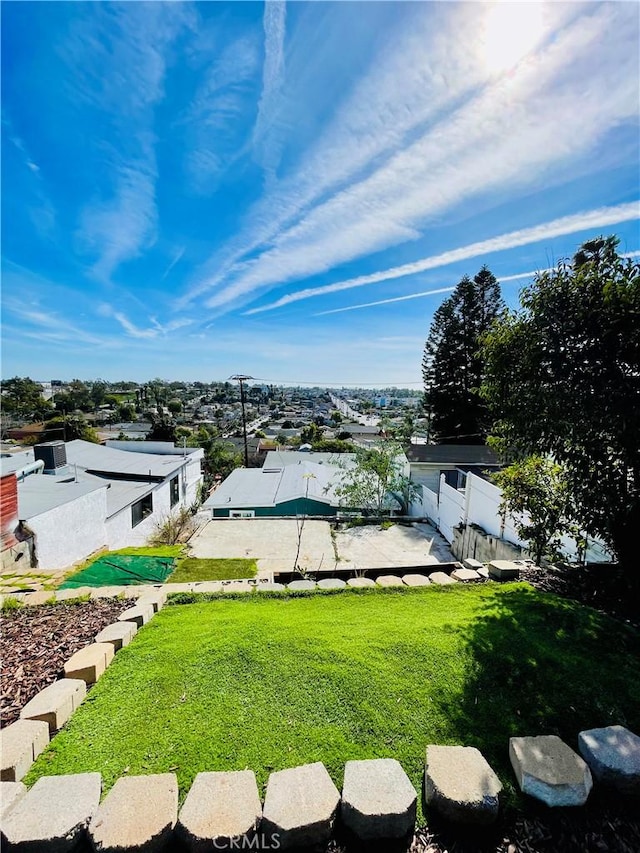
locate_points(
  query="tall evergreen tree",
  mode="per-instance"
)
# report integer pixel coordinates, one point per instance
(452, 364)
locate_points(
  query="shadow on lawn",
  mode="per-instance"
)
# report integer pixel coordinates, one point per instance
(539, 664)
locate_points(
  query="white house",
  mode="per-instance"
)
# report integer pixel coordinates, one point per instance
(78, 497)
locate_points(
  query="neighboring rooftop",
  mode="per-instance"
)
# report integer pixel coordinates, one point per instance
(277, 459)
(41, 493)
(453, 454)
(97, 459)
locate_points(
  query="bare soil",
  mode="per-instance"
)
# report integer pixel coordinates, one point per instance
(36, 641)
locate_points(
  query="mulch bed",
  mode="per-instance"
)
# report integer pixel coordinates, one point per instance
(36, 642)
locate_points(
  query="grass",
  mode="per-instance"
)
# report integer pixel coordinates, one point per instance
(270, 683)
(192, 569)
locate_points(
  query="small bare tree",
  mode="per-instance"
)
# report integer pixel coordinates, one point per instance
(174, 528)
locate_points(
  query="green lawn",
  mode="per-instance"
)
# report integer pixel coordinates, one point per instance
(268, 683)
(192, 569)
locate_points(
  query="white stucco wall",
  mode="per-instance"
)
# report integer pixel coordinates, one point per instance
(70, 532)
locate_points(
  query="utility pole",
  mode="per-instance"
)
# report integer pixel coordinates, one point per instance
(241, 379)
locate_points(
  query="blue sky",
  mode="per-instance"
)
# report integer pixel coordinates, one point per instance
(196, 190)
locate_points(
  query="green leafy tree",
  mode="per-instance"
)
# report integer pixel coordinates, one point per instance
(453, 363)
(371, 484)
(163, 428)
(126, 413)
(22, 397)
(79, 396)
(68, 429)
(563, 378)
(174, 406)
(311, 433)
(98, 392)
(536, 492)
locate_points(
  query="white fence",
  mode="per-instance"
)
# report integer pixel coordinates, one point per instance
(478, 503)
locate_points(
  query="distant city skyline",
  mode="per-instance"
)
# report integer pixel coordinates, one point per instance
(191, 190)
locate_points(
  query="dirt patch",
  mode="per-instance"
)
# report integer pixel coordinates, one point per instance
(36, 642)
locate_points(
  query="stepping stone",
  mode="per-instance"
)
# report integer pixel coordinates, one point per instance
(503, 570)
(170, 588)
(237, 586)
(483, 571)
(301, 585)
(378, 800)
(331, 583)
(140, 615)
(465, 575)
(119, 634)
(10, 793)
(547, 769)
(441, 578)
(220, 807)
(300, 806)
(389, 580)
(33, 599)
(107, 592)
(613, 754)
(156, 599)
(208, 586)
(361, 583)
(415, 580)
(139, 813)
(136, 590)
(56, 703)
(271, 587)
(460, 784)
(22, 743)
(52, 817)
(68, 594)
(470, 563)
(89, 663)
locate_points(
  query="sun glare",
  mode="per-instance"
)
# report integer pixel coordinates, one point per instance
(509, 32)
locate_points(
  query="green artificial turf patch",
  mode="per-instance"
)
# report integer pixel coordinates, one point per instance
(266, 683)
(195, 569)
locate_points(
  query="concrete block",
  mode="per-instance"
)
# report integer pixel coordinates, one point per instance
(300, 807)
(483, 571)
(465, 575)
(361, 583)
(138, 589)
(460, 785)
(331, 583)
(89, 663)
(139, 813)
(52, 817)
(389, 580)
(10, 793)
(34, 599)
(547, 769)
(157, 600)
(415, 580)
(271, 587)
(107, 592)
(170, 588)
(56, 703)
(238, 586)
(503, 570)
(613, 755)
(301, 585)
(219, 808)
(119, 634)
(140, 615)
(68, 594)
(441, 578)
(208, 586)
(378, 800)
(470, 563)
(22, 743)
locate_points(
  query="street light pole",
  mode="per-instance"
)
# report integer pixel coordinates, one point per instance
(241, 379)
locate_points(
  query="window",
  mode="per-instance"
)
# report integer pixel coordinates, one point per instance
(174, 491)
(141, 509)
(242, 513)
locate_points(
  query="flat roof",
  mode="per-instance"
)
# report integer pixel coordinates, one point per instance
(282, 458)
(453, 454)
(40, 493)
(108, 460)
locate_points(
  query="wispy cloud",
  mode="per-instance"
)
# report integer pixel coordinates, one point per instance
(155, 330)
(176, 259)
(274, 23)
(486, 144)
(588, 220)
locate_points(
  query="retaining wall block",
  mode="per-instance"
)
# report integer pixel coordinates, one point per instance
(53, 816)
(139, 813)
